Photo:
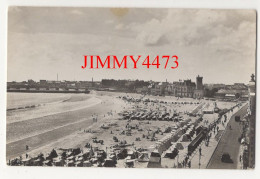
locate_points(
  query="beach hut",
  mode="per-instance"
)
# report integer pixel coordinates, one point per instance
(172, 152)
(155, 157)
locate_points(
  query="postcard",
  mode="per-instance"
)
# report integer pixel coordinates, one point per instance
(131, 87)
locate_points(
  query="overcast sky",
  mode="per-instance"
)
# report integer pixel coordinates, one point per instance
(216, 44)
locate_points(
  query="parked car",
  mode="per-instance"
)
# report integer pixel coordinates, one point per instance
(226, 158)
(237, 118)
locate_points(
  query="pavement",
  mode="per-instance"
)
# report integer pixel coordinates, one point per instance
(228, 144)
(202, 161)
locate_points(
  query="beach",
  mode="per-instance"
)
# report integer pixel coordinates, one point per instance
(74, 120)
(51, 126)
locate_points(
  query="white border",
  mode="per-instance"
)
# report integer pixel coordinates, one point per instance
(69, 173)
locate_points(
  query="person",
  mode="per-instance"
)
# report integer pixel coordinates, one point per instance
(189, 164)
(186, 159)
(200, 150)
(27, 147)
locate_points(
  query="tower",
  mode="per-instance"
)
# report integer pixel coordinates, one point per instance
(199, 84)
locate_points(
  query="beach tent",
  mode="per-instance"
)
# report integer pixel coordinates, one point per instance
(94, 160)
(71, 163)
(52, 155)
(79, 164)
(154, 163)
(143, 157)
(168, 154)
(47, 163)
(71, 158)
(76, 151)
(58, 161)
(37, 162)
(79, 158)
(122, 154)
(155, 157)
(129, 163)
(112, 156)
(87, 164)
(69, 153)
(179, 146)
(186, 138)
(131, 154)
(26, 161)
(109, 163)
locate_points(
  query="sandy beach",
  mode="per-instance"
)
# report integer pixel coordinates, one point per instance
(39, 131)
(74, 127)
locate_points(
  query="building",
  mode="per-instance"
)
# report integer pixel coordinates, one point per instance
(143, 90)
(199, 91)
(169, 90)
(184, 89)
(160, 89)
(232, 94)
(252, 120)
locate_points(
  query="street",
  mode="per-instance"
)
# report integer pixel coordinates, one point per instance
(228, 144)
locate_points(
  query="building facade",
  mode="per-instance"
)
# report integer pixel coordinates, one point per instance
(252, 121)
(185, 89)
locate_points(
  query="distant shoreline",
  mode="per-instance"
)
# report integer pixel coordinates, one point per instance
(47, 91)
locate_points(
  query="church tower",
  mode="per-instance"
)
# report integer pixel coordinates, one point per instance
(199, 84)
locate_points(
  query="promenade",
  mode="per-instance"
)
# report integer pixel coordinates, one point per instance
(211, 153)
(229, 144)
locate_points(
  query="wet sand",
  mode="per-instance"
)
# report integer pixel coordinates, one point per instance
(43, 130)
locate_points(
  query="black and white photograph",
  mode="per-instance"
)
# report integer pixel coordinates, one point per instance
(131, 87)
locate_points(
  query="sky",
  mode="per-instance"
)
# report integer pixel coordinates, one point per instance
(216, 44)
